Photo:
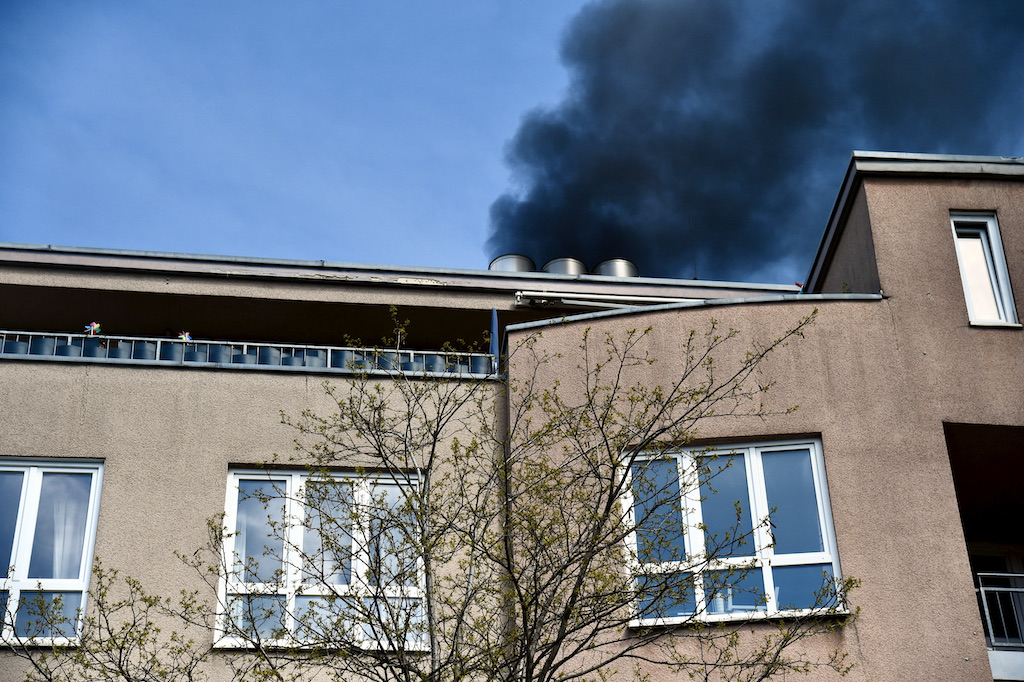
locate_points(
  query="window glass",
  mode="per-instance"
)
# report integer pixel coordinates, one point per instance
(799, 587)
(658, 511)
(666, 595)
(977, 275)
(319, 619)
(789, 482)
(60, 526)
(739, 590)
(392, 556)
(327, 536)
(261, 615)
(10, 500)
(725, 507)
(983, 271)
(393, 620)
(47, 614)
(259, 545)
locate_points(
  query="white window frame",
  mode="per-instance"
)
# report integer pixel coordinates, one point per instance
(18, 580)
(763, 558)
(985, 227)
(293, 484)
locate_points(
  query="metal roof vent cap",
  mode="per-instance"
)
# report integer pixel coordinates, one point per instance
(512, 262)
(616, 267)
(565, 266)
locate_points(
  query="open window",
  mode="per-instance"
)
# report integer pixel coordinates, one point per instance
(48, 514)
(983, 272)
(733, 532)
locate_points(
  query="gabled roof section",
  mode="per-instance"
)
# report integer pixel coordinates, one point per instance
(864, 163)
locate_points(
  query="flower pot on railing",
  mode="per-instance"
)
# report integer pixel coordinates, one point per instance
(119, 349)
(70, 350)
(17, 347)
(268, 355)
(342, 358)
(172, 352)
(480, 364)
(42, 345)
(388, 360)
(196, 352)
(435, 363)
(144, 350)
(293, 360)
(93, 348)
(220, 353)
(315, 358)
(412, 366)
(244, 358)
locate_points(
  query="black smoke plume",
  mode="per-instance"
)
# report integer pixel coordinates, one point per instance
(709, 138)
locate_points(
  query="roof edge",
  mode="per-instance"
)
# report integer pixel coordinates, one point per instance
(899, 163)
(708, 303)
(322, 265)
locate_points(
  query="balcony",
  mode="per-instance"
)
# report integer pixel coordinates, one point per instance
(1001, 599)
(132, 350)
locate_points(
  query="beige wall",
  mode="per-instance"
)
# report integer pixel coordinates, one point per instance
(961, 372)
(876, 380)
(894, 506)
(167, 438)
(853, 268)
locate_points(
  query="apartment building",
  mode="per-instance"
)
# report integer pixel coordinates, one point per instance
(901, 466)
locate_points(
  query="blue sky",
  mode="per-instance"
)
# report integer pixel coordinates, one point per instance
(345, 131)
(695, 138)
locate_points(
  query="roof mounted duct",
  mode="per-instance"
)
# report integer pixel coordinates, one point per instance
(616, 267)
(512, 262)
(565, 266)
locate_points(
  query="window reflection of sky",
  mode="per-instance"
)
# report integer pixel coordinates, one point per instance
(727, 534)
(789, 482)
(60, 526)
(10, 497)
(658, 511)
(257, 547)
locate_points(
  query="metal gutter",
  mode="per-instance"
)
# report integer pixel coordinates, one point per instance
(789, 298)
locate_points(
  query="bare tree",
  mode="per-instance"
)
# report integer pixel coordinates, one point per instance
(520, 529)
(119, 638)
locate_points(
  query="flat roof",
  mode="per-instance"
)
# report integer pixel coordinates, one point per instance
(36, 255)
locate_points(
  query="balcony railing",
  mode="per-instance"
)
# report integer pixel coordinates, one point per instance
(1001, 600)
(235, 354)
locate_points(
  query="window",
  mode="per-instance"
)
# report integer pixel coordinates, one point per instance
(47, 529)
(320, 560)
(983, 269)
(733, 532)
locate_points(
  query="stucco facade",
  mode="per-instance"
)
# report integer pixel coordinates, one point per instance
(906, 395)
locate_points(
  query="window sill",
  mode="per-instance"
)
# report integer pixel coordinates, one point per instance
(233, 644)
(756, 616)
(40, 642)
(998, 325)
